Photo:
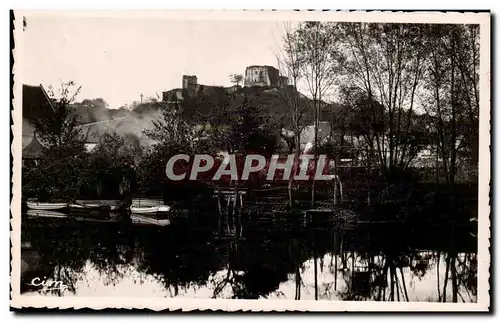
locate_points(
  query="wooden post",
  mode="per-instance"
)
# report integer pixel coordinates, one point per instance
(219, 205)
(335, 198)
(341, 191)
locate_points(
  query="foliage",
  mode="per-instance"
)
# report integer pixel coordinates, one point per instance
(249, 132)
(62, 168)
(114, 159)
(236, 79)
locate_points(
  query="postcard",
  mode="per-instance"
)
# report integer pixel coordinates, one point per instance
(251, 160)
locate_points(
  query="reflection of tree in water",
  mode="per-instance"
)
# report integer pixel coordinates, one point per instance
(174, 257)
(178, 258)
(461, 271)
(375, 275)
(249, 259)
(382, 275)
(111, 252)
(61, 252)
(65, 249)
(258, 256)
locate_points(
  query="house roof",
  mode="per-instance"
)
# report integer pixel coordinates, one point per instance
(36, 102)
(33, 149)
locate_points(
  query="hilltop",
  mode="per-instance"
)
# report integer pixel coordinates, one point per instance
(198, 104)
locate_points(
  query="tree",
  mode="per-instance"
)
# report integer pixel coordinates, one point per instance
(172, 134)
(452, 103)
(172, 129)
(91, 110)
(63, 166)
(95, 103)
(115, 160)
(249, 133)
(386, 61)
(319, 62)
(289, 66)
(452, 95)
(236, 79)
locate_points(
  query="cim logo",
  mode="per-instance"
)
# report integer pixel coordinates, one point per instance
(231, 167)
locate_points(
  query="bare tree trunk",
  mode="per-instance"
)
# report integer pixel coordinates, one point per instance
(404, 284)
(313, 185)
(454, 285)
(438, 276)
(446, 278)
(393, 276)
(297, 283)
(335, 271)
(315, 250)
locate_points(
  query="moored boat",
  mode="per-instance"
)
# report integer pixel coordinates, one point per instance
(149, 209)
(46, 206)
(144, 220)
(45, 213)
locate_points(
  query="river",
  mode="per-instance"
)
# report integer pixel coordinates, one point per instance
(249, 256)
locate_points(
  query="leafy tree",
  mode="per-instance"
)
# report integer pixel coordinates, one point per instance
(114, 160)
(62, 169)
(452, 100)
(95, 103)
(249, 133)
(236, 79)
(319, 62)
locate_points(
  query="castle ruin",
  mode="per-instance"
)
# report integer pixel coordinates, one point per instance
(264, 76)
(255, 76)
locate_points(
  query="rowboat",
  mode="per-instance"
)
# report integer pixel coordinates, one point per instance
(46, 206)
(143, 220)
(149, 209)
(146, 202)
(45, 213)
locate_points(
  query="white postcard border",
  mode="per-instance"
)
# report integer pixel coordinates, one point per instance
(484, 208)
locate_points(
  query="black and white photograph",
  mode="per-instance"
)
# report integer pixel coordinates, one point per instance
(251, 160)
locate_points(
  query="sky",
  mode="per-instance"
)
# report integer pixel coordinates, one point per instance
(117, 59)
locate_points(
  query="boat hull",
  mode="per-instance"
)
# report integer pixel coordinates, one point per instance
(45, 213)
(46, 206)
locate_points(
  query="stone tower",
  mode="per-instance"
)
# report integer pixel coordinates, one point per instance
(262, 76)
(189, 84)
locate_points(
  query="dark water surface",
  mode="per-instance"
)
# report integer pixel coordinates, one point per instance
(249, 256)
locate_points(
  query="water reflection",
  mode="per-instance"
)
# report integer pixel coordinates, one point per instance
(244, 255)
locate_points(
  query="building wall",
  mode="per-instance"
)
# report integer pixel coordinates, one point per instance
(262, 76)
(174, 95)
(189, 83)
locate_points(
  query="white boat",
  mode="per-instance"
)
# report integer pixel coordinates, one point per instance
(45, 213)
(149, 209)
(46, 206)
(146, 202)
(143, 220)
